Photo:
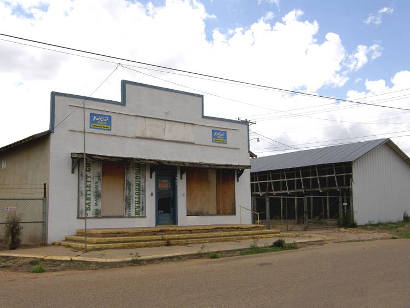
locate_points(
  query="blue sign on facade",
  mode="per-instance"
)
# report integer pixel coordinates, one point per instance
(100, 121)
(219, 136)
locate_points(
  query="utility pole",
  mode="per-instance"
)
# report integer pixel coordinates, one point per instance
(85, 182)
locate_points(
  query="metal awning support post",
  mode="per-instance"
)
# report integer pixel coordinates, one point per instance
(253, 206)
(296, 210)
(328, 205)
(281, 209)
(301, 179)
(267, 215)
(334, 170)
(311, 207)
(305, 210)
(318, 181)
(286, 182)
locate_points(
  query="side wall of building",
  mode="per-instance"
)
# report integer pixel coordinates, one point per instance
(26, 169)
(25, 172)
(381, 186)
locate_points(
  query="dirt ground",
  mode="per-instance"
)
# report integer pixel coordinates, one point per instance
(350, 274)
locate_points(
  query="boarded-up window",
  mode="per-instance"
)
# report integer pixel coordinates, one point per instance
(210, 192)
(225, 192)
(201, 191)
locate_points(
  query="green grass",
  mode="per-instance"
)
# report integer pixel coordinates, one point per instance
(255, 250)
(38, 269)
(399, 229)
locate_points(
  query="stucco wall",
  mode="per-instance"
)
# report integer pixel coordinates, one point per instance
(149, 123)
(381, 186)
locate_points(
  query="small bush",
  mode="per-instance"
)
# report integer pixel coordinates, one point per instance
(214, 255)
(38, 269)
(12, 231)
(406, 217)
(280, 243)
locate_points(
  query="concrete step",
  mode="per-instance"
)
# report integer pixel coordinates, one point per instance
(165, 237)
(81, 245)
(121, 232)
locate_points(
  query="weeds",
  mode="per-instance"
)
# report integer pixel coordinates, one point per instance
(254, 243)
(277, 245)
(400, 229)
(38, 269)
(346, 220)
(135, 258)
(202, 250)
(12, 231)
(214, 255)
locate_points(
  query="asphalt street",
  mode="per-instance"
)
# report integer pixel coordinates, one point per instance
(355, 274)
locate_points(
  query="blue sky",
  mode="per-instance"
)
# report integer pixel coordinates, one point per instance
(345, 17)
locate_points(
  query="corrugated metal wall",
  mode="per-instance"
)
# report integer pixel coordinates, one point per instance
(381, 186)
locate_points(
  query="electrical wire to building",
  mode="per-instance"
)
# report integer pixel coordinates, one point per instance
(91, 94)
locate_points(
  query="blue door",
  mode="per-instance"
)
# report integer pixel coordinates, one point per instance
(166, 200)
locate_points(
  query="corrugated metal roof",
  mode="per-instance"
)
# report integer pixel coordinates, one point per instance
(320, 156)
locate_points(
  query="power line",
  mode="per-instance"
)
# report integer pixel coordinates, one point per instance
(201, 74)
(91, 94)
(250, 104)
(145, 68)
(366, 138)
(276, 141)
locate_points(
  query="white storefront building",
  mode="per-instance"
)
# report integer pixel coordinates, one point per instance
(153, 159)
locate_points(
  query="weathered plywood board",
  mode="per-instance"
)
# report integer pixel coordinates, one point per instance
(113, 185)
(201, 191)
(225, 192)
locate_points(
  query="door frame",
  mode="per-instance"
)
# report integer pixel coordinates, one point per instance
(171, 171)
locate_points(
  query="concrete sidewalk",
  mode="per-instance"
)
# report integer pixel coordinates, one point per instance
(150, 253)
(302, 238)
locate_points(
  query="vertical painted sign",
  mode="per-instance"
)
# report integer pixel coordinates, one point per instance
(135, 188)
(219, 136)
(90, 189)
(100, 121)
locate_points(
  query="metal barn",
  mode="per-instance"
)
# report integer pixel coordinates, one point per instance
(360, 182)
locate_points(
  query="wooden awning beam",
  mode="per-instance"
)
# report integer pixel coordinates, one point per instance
(162, 162)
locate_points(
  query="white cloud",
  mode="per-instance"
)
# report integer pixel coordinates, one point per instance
(273, 2)
(376, 18)
(386, 10)
(286, 53)
(361, 57)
